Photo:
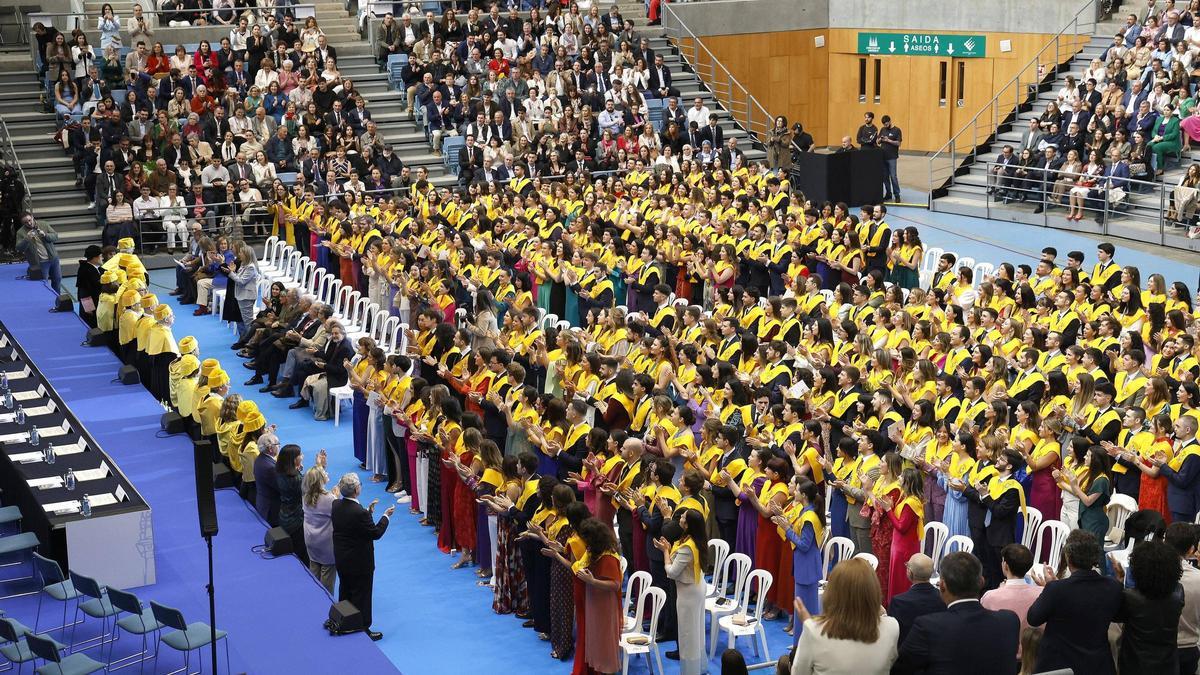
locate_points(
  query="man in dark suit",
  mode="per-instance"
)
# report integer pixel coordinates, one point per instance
(266, 486)
(660, 80)
(331, 360)
(725, 505)
(966, 638)
(920, 599)
(1002, 172)
(713, 133)
(87, 284)
(1044, 173)
(470, 160)
(354, 535)
(1077, 611)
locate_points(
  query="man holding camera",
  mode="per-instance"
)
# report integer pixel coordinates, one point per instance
(36, 242)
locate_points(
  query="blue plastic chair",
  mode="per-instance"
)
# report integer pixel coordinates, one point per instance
(139, 620)
(75, 664)
(98, 607)
(21, 543)
(187, 636)
(12, 642)
(57, 586)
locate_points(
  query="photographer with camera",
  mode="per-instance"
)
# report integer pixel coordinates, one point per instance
(36, 242)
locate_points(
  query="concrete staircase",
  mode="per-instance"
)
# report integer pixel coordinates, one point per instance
(966, 193)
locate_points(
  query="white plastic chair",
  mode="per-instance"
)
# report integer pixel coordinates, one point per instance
(958, 543)
(1119, 508)
(562, 325)
(935, 538)
(356, 322)
(343, 302)
(717, 605)
(870, 558)
(303, 274)
(547, 320)
(835, 550)
(718, 554)
(650, 603)
(638, 581)
(1058, 536)
(268, 249)
(1033, 518)
(340, 394)
(759, 581)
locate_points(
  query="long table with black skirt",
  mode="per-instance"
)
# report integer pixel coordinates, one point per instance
(115, 541)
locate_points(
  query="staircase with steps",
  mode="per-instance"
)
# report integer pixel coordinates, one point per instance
(966, 192)
(395, 124)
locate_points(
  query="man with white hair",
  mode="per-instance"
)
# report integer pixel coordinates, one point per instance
(354, 535)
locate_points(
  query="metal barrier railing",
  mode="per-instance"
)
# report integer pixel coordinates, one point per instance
(745, 109)
(1019, 94)
(8, 155)
(1139, 211)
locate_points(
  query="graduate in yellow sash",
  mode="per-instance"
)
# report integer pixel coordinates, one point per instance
(804, 526)
(1004, 500)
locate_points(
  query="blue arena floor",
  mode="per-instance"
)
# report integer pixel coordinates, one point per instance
(273, 609)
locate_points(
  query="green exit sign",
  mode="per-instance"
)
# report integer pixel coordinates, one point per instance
(923, 44)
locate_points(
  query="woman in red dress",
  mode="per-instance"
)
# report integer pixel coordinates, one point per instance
(1152, 493)
(884, 494)
(598, 624)
(770, 502)
(464, 495)
(907, 516)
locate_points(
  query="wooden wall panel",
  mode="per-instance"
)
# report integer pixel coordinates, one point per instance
(790, 76)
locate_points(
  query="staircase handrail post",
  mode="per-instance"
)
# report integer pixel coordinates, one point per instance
(951, 145)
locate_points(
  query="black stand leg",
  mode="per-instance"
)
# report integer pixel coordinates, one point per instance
(212, 605)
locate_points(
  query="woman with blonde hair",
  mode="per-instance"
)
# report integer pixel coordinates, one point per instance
(852, 636)
(318, 527)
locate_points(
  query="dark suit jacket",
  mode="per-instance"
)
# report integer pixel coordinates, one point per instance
(916, 602)
(714, 135)
(966, 638)
(354, 535)
(266, 489)
(334, 355)
(1076, 612)
(87, 282)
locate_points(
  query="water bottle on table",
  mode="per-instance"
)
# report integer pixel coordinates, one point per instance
(8, 400)
(85, 507)
(35, 436)
(70, 478)
(21, 414)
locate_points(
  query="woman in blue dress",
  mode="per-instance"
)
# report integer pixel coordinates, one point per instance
(804, 525)
(952, 475)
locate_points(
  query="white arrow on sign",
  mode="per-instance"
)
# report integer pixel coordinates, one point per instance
(949, 49)
(906, 47)
(892, 46)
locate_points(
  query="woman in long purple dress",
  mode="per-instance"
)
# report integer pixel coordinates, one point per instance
(747, 526)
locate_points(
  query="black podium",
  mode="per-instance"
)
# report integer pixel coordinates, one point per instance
(854, 177)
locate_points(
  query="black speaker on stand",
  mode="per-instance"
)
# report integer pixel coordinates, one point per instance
(206, 507)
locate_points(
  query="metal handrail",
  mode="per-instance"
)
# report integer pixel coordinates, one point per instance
(741, 104)
(1020, 91)
(8, 153)
(1144, 202)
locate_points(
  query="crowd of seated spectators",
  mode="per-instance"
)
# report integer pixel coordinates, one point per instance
(265, 113)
